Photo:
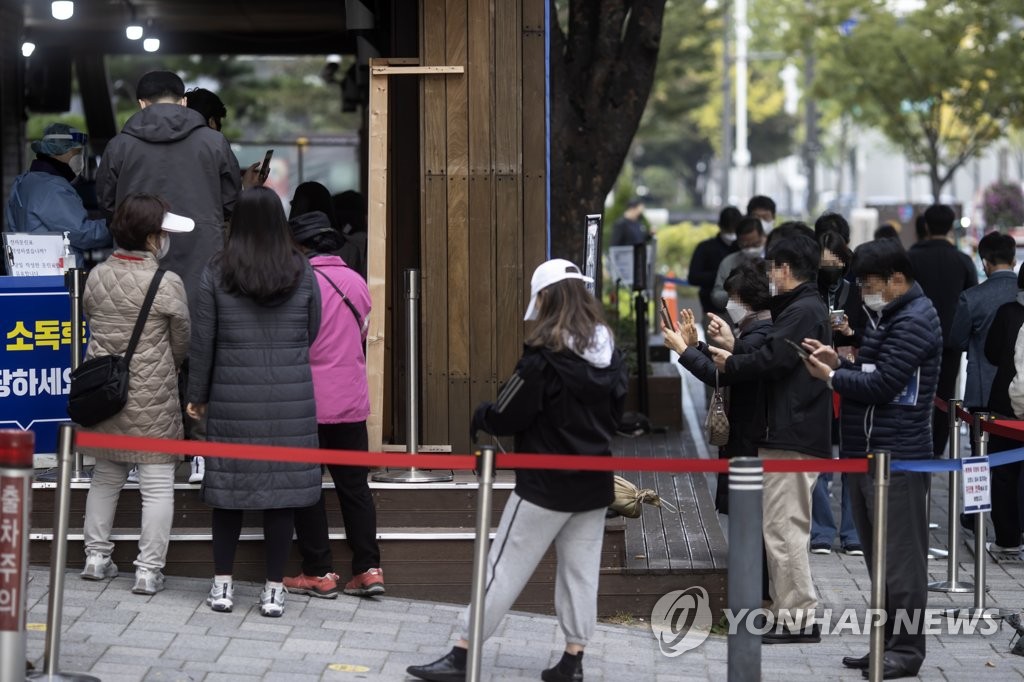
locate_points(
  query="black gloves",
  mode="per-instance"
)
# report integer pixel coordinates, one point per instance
(479, 422)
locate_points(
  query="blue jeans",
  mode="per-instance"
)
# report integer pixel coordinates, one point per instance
(823, 524)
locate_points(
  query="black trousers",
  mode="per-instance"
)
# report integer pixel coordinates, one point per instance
(948, 371)
(906, 562)
(1007, 488)
(277, 538)
(357, 509)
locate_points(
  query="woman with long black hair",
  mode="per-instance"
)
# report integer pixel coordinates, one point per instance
(257, 313)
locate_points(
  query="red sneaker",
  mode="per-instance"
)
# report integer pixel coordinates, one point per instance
(325, 587)
(367, 584)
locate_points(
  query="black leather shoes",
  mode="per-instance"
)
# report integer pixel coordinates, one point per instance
(444, 669)
(784, 635)
(857, 662)
(892, 671)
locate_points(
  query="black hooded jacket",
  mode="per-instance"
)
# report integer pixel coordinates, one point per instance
(559, 403)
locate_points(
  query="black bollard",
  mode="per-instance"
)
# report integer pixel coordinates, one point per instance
(746, 546)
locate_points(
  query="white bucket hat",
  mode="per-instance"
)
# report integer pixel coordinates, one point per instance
(548, 273)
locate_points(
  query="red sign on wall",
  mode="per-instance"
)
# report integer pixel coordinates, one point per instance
(15, 492)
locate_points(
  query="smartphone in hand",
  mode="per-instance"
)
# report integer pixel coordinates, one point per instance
(666, 318)
(265, 167)
(798, 348)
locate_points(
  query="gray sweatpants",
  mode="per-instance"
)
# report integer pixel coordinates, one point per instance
(524, 535)
(156, 483)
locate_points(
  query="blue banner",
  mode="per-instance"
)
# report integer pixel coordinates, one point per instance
(35, 356)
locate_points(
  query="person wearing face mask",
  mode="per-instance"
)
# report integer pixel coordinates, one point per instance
(114, 295)
(797, 426)
(708, 256)
(750, 242)
(762, 208)
(887, 405)
(748, 308)
(43, 200)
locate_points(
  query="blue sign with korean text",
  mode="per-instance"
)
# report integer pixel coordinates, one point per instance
(35, 356)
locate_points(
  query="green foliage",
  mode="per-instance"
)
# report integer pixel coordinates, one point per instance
(1003, 205)
(676, 244)
(37, 124)
(940, 82)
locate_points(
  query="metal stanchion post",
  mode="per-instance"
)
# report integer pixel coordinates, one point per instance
(876, 659)
(412, 396)
(58, 561)
(746, 486)
(74, 280)
(485, 467)
(981, 437)
(952, 583)
(16, 449)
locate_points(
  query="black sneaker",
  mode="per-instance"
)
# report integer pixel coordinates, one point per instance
(820, 548)
(784, 635)
(569, 669)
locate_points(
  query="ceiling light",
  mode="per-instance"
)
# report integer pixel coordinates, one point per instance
(62, 9)
(151, 44)
(133, 31)
(27, 48)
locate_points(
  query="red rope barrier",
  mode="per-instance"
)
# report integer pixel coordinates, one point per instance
(1007, 428)
(963, 414)
(461, 462)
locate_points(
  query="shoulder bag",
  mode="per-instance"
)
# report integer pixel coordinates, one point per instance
(716, 424)
(99, 387)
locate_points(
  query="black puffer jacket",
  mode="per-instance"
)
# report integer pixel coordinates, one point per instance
(999, 346)
(798, 407)
(250, 365)
(560, 403)
(900, 356)
(746, 402)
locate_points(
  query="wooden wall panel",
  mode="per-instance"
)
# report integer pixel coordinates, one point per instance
(534, 172)
(480, 80)
(434, 231)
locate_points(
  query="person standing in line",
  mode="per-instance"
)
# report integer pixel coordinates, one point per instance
(888, 394)
(113, 298)
(798, 413)
(750, 245)
(708, 256)
(943, 272)
(630, 228)
(257, 313)
(762, 208)
(566, 396)
(43, 200)
(337, 360)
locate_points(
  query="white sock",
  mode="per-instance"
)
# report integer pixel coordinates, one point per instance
(222, 578)
(275, 586)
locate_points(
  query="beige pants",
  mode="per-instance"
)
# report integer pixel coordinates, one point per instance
(787, 530)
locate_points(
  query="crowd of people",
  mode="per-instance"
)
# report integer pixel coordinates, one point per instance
(829, 352)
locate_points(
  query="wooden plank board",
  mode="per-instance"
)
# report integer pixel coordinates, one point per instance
(511, 301)
(508, 76)
(435, 311)
(482, 296)
(534, 154)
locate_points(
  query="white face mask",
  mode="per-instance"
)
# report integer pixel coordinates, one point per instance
(772, 289)
(728, 237)
(874, 301)
(737, 311)
(754, 252)
(767, 225)
(165, 245)
(77, 164)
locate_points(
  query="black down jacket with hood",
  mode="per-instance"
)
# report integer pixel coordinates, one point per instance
(169, 150)
(561, 403)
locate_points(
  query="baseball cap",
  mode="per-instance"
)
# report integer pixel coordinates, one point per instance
(177, 223)
(548, 273)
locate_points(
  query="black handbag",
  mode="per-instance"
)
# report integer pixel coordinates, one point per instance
(99, 387)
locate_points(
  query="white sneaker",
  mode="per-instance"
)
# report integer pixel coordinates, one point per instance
(98, 567)
(133, 474)
(999, 549)
(222, 596)
(272, 601)
(147, 581)
(197, 469)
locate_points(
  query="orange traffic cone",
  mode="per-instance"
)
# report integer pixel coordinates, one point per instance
(668, 292)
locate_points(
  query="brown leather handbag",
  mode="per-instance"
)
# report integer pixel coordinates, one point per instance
(716, 424)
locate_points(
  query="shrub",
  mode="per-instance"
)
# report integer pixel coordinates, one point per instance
(1003, 205)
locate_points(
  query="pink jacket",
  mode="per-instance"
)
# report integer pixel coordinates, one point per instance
(336, 357)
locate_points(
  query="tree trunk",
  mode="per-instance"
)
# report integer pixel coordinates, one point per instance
(936, 181)
(601, 75)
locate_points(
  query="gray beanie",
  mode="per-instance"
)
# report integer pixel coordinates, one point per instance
(59, 138)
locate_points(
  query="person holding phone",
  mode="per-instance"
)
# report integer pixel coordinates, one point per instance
(798, 417)
(888, 393)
